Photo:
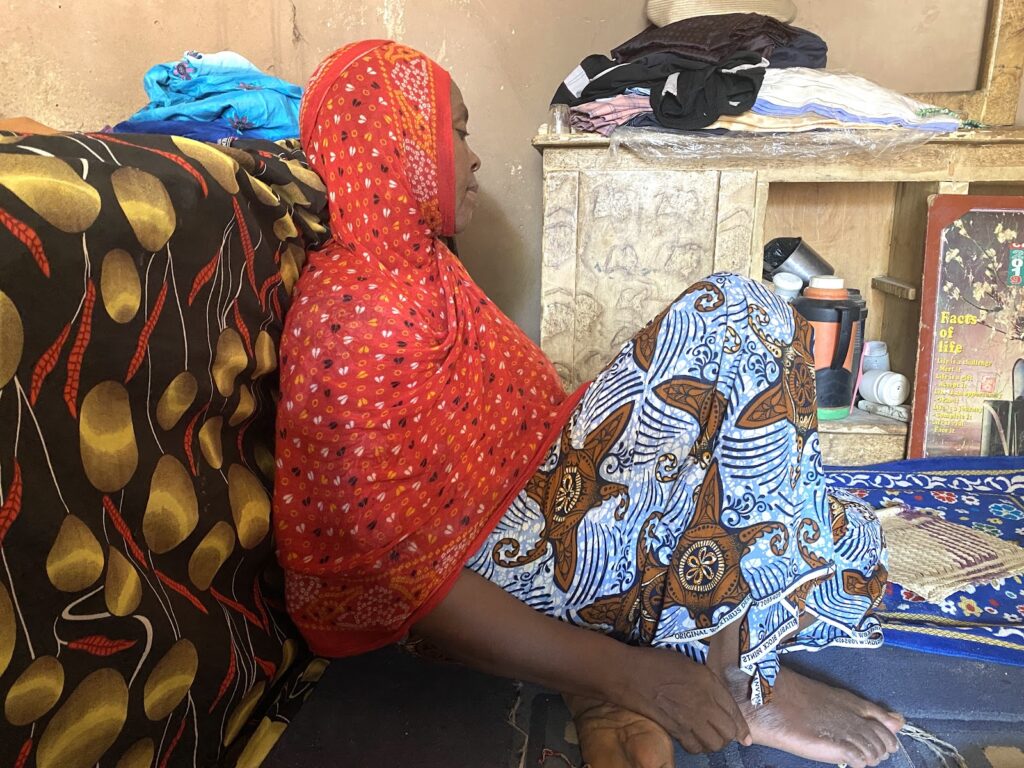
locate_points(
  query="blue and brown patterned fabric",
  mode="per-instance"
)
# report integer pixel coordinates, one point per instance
(143, 286)
(686, 493)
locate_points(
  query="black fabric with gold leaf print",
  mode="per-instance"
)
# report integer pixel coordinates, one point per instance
(143, 283)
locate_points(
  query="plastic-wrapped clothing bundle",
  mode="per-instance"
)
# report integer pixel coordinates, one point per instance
(222, 89)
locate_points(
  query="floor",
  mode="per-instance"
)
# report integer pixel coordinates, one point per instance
(392, 709)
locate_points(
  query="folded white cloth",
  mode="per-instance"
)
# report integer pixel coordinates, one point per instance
(800, 91)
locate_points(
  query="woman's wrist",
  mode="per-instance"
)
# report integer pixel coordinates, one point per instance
(615, 680)
(480, 624)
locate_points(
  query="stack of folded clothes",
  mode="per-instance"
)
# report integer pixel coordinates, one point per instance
(713, 38)
(683, 93)
(798, 100)
(733, 72)
(215, 96)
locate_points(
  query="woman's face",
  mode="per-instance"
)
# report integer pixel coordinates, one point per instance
(466, 163)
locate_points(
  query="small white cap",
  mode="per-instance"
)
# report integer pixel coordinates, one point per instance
(787, 282)
(875, 348)
(828, 282)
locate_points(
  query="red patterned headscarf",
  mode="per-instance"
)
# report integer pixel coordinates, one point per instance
(412, 410)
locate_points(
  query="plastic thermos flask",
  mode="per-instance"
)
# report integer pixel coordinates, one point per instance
(858, 342)
(836, 319)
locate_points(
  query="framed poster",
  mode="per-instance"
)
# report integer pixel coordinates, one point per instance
(969, 393)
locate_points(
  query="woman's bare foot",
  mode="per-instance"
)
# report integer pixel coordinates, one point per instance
(613, 737)
(815, 721)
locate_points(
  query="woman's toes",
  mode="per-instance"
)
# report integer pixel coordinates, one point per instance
(873, 743)
(894, 721)
(891, 720)
(852, 758)
(855, 754)
(892, 744)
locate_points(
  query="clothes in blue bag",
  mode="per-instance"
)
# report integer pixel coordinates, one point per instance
(221, 87)
(213, 131)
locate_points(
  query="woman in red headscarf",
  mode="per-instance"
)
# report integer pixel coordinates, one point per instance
(434, 475)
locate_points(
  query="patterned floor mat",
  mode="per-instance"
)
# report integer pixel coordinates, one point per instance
(984, 622)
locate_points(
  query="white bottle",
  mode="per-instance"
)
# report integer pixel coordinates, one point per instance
(787, 286)
(876, 356)
(885, 387)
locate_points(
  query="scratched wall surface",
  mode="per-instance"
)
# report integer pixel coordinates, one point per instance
(78, 64)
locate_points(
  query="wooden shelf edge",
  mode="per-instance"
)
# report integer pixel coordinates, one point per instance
(1011, 135)
(863, 423)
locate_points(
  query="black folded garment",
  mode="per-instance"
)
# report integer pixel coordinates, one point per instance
(598, 77)
(685, 93)
(690, 91)
(697, 97)
(713, 38)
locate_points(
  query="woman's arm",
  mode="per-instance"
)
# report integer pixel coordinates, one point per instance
(481, 625)
(25, 125)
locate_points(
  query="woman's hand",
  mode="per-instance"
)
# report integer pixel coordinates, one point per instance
(686, 698)
(481, 625)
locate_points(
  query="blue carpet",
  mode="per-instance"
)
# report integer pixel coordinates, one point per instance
(386, 709)
(970, 704)
(973, 705)
(389, 709)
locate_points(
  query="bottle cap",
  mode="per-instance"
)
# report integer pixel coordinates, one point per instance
(875, 348)
(828, 283)
(786, 282)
